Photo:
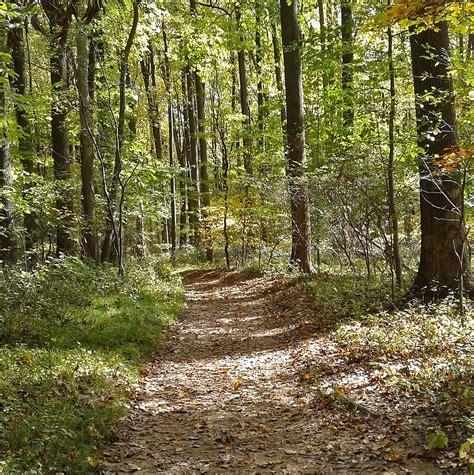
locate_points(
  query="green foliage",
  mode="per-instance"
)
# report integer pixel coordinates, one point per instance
(437, 440)
(466, 453)
(339, 297)
(435, 330)
(74, 338)
(420, 350)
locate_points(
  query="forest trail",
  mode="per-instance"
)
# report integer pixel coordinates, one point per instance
(229, 392)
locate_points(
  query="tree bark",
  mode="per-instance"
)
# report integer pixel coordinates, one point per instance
(181, 154)
(25, 141)
(167, 73)
(347, 26)
(244, 99)
(278, 76)
(204, 165)
(7, 231)
(297, 183)
(322, 33)
(65, 243)
(258, 69)
(444, 260)
(119, 139)
(91, 246)
(185, 183)
(397, 263)
(193, 159)
(149, 80)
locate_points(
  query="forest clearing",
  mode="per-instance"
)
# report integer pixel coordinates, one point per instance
(235, 236)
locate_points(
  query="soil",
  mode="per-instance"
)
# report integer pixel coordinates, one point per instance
(237, 388)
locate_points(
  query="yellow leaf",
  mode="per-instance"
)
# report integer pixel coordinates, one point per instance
(305, 376)
(237, 384)
(93, 461)
(29, 359)
(395, 455)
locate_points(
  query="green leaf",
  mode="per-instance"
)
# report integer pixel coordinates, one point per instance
(437, 440)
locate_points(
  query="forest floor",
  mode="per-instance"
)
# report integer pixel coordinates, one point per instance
(241, 385)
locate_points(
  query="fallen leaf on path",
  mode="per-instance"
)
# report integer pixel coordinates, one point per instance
(237, 384)
(396, 454)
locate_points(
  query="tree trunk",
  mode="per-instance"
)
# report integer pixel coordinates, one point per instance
(181, 154)
(7, 234)
(297, 183)
(115, 232)
(87, 146)
(205, 192)
(65, 244)
(91, 65)
(140, 230)
(322, 33)
(193, 160)
(185, 185)
(278, 76)
(167, 74)
(347, 26)
(244, 100)
(258, 68)
(444, 260)
(397, 263)
(25, 142)
(149, 75)
(173, 220)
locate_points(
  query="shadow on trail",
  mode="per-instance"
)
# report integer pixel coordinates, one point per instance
(225, 394)
(242, 323)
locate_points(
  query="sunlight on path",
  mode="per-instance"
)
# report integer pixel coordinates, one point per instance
(223, 396)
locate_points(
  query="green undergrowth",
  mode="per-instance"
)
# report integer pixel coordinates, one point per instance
(422, 350)
(338, 298)
(425, 351)
(74, 338)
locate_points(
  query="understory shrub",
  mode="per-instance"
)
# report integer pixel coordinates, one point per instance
(74, 337)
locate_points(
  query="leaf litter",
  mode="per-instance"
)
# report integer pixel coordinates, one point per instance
(248, 381)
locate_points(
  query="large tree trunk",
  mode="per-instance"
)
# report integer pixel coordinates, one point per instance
(25, 142)
(297, 184)
(444, 259)
(91, 246)
(65, 243)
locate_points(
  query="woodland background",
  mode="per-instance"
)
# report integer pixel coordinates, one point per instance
(140, 137)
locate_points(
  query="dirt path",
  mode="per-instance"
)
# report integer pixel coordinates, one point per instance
(228, 394)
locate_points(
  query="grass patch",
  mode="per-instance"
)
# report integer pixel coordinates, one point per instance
(74, 337)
